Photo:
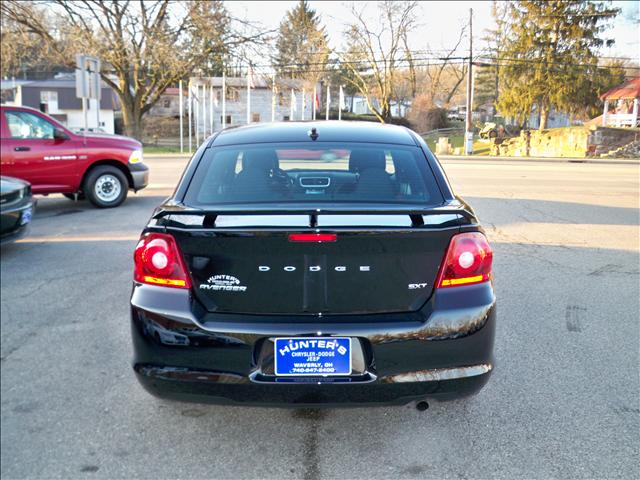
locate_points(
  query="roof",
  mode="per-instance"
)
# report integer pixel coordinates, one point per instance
(328, 131)
(56, 83)
(7, 84)
(229, 82)
(626, 91)
(258, 81)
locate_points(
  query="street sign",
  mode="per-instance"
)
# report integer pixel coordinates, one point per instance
(88, 77)
(88, 84)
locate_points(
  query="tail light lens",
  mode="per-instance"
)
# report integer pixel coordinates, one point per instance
(468, 261)
(157, 261)
(313, 237)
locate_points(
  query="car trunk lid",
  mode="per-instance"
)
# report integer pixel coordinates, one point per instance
(368, 264)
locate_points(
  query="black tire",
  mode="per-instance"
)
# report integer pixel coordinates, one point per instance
(493, 134)
(71, 197)
(112, 184)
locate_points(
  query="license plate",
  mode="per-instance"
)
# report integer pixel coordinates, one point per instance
(317, 356)
(26, 216)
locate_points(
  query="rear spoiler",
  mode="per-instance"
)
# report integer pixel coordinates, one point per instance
(415, 214)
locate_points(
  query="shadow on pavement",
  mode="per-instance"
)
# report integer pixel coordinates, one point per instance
(548, 211)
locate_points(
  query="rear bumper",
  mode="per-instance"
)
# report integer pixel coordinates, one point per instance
(441, 352)
(140, 176)
(168, 383)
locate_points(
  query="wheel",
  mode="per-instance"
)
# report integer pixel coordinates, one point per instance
(71, 197)
(493, 134)
(106, 187)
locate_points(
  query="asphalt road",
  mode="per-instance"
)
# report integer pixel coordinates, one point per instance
(563, 401)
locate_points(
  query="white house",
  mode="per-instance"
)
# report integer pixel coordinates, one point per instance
(57, 97)
(358, 105)
(293, 101)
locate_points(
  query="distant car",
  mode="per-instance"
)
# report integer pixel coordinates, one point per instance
(16, 208)
(306, 264)
(455, 115)
(90, 130)
(490, 130)
(38, 149)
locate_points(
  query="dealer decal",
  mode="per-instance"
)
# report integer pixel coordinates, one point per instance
(60, 157)
(224, 283)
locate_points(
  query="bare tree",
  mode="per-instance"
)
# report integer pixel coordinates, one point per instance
(412, 66)
(145, 46)
(443, 76)
(375, 52)
(19, 50)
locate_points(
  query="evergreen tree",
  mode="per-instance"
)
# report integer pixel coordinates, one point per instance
(549, 59)
(218, 21)
(302, 49)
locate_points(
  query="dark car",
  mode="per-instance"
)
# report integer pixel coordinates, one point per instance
(327, 263)
(16, 208)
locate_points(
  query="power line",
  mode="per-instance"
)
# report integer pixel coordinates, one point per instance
(458, 61)
(513, 61)
(417, 62)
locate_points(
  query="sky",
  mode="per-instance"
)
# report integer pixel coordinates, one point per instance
(439, 22)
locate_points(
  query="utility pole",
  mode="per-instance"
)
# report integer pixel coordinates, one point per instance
(468, 144)
(189, 101)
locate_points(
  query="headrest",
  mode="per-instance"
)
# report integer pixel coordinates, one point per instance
(365, 159)
(260, 159)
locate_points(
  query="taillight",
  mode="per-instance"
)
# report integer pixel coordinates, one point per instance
(313, 237)
(468, 260)
(157, 261)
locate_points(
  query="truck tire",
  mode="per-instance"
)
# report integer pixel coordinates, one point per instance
(106, 186)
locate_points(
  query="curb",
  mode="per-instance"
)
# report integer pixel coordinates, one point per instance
(599, 161)
(163, 155)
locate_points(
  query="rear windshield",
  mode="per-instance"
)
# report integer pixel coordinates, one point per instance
(345, 173)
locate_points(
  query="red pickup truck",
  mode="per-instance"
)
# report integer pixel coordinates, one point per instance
(38, 149)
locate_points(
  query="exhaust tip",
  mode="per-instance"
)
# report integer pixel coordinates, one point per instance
(422, 406)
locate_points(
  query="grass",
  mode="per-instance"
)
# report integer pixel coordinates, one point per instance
(480, 147)
(160, 149)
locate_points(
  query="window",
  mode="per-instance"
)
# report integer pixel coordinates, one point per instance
(297, 173)
(285, 118)
(233, 94)
(28, 125)
(48, 101)
(255, 117)
(227, 118)
(166, 103)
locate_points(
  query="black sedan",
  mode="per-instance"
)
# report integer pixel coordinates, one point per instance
(313, 264)
(16, 208)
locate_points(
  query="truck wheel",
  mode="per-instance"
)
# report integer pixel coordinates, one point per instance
(106, 187)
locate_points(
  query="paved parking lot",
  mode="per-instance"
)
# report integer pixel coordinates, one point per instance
(563, 400)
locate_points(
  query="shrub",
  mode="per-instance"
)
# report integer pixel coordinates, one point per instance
(333, 115)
